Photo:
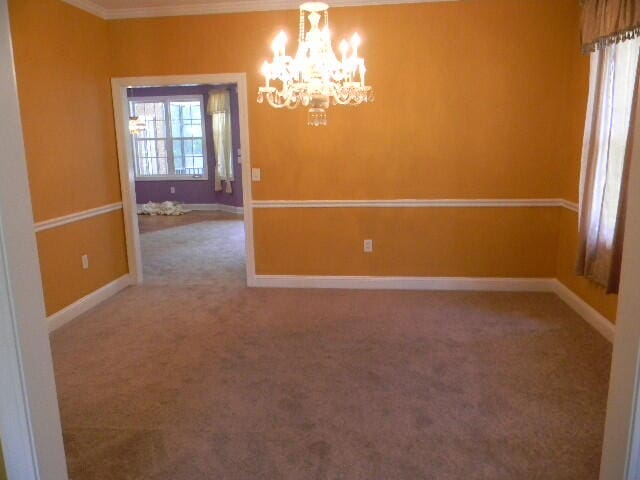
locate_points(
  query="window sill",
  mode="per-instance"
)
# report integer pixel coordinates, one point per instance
(171, 178)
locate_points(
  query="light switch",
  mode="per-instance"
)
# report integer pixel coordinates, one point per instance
(255, 174)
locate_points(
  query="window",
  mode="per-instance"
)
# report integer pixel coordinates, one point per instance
(605, 160)
(173, 146)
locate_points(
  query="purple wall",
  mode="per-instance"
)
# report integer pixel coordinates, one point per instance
(195, 191)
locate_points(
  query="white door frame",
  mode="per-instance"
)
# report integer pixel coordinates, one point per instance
(127, 170)
(29, 415)
(621, 448)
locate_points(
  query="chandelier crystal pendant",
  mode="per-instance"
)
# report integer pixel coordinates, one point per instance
(315, 78)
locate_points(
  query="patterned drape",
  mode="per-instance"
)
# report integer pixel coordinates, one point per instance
(605, 22)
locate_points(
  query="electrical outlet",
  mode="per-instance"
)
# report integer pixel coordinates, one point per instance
(172, 189)
(255, 174)
(85, 261)
(368, 246)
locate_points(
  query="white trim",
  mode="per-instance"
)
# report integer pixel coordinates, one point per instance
(214, 207)
(90, 7)
(573, 206)
(75, 217)
(216, 7)
(230, 209)
(418, 203)
(435, 203)
(29, 414)
(586, 311)
(621, 442)
(405, 283)
(87, 302)
(125, 157)
(590, 315)
(171, 178)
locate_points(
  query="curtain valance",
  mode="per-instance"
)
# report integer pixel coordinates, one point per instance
(219, 101)
(609, 21)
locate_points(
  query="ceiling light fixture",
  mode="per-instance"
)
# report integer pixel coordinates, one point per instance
(137, 125)
(315, 77)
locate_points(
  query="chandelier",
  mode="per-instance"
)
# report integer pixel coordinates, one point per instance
(315, 77)
(137, 125)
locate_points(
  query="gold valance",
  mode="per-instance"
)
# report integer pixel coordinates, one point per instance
(609, 21)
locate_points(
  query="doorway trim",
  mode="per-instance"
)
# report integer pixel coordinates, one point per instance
(621, 444)
(29, 415)
(127, 171)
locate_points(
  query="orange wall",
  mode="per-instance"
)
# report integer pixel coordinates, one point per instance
(472, 102)
(64, 280)
(62, 61)
(471, 97)
(495, 242)
(62, 64)
(474, 99)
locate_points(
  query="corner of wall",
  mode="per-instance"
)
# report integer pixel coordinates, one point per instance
(579, 289)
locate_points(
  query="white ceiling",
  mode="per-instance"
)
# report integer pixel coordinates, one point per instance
(111, 9)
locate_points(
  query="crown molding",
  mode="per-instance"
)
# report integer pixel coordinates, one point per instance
(217, 7)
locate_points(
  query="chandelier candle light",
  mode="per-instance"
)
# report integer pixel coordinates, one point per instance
(315, 77)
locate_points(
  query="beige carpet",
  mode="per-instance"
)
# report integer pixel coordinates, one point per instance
(193, 376)
(208, 249)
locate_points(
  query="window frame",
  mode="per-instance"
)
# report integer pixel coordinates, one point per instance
(166, 100)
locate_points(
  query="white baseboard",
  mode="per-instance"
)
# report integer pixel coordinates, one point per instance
(87, 302)
(214, 207)
(586, 311)
(582, 308)
(230, 209)
(404, 283)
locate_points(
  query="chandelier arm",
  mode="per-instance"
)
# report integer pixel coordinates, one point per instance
(271, 101)
(339, 101)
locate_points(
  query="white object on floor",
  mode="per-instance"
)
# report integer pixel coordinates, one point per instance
(164, 208)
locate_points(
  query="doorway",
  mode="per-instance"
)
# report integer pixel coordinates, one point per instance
(223, 214)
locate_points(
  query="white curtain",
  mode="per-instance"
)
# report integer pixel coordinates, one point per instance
(605, 161)
(220, 111)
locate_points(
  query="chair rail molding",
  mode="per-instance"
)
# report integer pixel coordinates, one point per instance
(420, 203)
(76, 217)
